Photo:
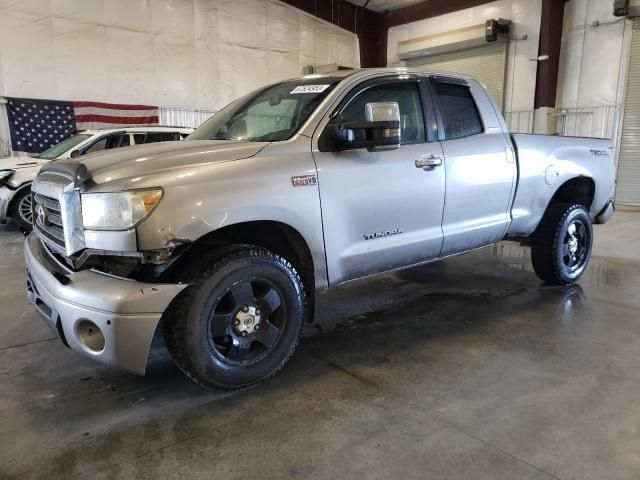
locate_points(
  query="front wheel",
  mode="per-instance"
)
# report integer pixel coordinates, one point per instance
(561, 245)
(21, 209)
(239, 322)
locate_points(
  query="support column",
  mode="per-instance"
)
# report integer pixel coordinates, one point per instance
(547, 76)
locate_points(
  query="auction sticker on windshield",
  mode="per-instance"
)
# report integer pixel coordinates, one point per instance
(309, 89)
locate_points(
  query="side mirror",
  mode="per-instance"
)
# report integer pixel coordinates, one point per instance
(380, 131)
(75, 153)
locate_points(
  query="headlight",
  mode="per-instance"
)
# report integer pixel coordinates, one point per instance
(5, 175)
(118, 210)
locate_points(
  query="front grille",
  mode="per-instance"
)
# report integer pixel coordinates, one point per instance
(48, 221)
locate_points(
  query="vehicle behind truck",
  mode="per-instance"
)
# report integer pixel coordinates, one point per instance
(223, 241)
(16, 174)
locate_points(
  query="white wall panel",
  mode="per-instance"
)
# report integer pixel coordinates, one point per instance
(80, 63)
(128, 14)
(592, 57)
(282, 65)
(37, 7)
(521, 71)
(83, 10)
(283, 32)
(182, 53)
(131, 67)
(174, 70)
(28, 60)
(174, 18)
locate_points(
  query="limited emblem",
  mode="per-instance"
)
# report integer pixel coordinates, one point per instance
(385, 233)
(40, 214)
(304, 180)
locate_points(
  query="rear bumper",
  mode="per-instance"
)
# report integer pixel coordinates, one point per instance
(606, 213)
(107, 318)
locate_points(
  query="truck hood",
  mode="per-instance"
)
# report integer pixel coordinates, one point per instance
(121, 163)
(17, 163)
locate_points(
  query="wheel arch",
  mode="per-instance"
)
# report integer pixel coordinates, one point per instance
(580, 189)
(276, 236)
(17, 191)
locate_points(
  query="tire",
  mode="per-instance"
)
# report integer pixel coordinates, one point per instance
(561, 245)
(21, 209)
(239, 321)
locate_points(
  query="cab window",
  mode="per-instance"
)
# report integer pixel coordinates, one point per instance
(406, 94)
(459, 112)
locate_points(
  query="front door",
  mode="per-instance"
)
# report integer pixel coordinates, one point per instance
(379, 210)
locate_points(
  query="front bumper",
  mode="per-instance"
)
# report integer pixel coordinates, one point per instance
(6, 195)
(108, 318)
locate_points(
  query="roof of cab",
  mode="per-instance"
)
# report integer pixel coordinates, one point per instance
(364, 72)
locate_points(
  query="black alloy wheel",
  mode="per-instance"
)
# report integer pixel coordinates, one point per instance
(240, 319)
(247, 321)
(561, 245)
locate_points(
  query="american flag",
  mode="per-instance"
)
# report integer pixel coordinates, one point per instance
(36, 125)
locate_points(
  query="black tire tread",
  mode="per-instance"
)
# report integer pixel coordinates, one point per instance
(545, 238)
(174, 329)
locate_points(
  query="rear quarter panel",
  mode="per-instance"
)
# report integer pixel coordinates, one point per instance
(546, 163)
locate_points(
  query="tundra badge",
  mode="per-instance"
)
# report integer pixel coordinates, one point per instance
(386, 233)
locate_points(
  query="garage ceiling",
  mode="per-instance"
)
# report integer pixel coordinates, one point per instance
(383, 5)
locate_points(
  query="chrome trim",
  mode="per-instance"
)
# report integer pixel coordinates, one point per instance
(71, 211)
(63, 198)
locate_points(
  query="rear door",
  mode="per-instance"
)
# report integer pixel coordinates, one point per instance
(479, 165)
(380, 212)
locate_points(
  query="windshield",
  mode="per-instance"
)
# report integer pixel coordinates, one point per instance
(62, 147)
(270, 115)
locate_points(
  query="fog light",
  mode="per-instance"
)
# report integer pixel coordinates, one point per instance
(90, 336)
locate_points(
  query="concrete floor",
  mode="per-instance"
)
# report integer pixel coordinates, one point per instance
(468, 369)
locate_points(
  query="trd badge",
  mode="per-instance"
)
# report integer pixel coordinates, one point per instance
(304, 180)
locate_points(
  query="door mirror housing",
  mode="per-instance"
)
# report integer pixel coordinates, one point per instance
(75, 153)
(379, 132)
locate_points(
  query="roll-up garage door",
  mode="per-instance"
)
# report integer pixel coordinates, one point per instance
(628, 191)
(487, 63)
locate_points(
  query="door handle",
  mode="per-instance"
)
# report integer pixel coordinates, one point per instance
(429, 162)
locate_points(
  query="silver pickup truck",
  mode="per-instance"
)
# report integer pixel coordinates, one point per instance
(221, 242)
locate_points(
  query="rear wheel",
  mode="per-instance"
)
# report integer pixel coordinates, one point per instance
(21, 209)
(239, 322)
(561, 245)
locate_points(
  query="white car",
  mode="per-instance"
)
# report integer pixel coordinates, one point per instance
(16, 174)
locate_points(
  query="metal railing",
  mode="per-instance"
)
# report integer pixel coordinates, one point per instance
(598, 121)
(183, 117)
(519, 121)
